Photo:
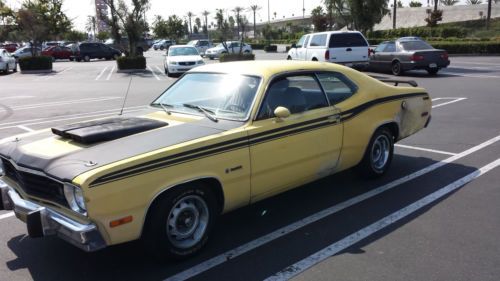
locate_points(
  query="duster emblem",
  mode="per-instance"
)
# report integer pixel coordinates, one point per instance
(90, 164)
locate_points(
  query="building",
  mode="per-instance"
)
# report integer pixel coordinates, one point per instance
(101, 14)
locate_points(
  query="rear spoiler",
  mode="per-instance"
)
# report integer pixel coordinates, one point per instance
(396, 82)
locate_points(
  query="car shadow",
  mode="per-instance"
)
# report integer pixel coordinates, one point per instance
(52, 259)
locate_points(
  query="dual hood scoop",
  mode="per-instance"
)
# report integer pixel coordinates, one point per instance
(106, 129)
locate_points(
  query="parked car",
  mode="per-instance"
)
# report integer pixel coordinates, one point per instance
(181, 58)
(201, 45)
(349, 48)
(141, 46)
(408, 53)
(163, 44)
(7, 61)
(9, 47)
(58, 53)
(88, 51)
(223, 136)
(232, 48)
(26, 52)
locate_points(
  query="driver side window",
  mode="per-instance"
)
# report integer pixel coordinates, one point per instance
(299, 93)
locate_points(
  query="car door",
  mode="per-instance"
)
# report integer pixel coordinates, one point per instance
(289, 152)
(375, 56)
(387, 56)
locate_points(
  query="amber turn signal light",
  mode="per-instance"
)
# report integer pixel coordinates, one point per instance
(121, 221)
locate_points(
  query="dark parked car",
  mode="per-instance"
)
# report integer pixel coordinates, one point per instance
(408, 53)
(141, 46)
(58, 53)
(10, 47)
(88, 51)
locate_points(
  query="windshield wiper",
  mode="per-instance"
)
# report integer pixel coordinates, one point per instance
(164, 107)
(208, 113)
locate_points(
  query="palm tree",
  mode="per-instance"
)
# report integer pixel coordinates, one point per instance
(254, 9)
(474, 2)
(205, 14)
(190, 15)
(237, 10)
(219, 18)
(449, 2)
(90, 25)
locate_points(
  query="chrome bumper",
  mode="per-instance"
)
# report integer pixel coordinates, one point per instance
(42, 221)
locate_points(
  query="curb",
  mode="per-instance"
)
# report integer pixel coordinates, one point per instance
(41, 71)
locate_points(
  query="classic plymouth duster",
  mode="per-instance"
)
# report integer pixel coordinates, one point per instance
(221, 137)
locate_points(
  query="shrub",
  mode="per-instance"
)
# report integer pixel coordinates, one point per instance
(271, 48)
(138, 62)
(469, 47)
(35, 63)
(236, 57)
(257, 46)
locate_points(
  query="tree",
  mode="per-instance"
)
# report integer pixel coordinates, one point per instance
(254, 9)
(190, 15)
(415, 4)
(75, 35)
(112, 21)
(175, 27)
(219, 17)
(131, 20)
(231, 22)
(361, 14)
(197, 23)
(449, 2)
(474, 2)
(160, 28)
(319, 19)
(400, 4)
(90, 26)
(205, 27)
(102, 35)
(237, 10)
(7, 21)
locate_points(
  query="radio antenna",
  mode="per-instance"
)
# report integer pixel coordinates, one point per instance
(126, 95)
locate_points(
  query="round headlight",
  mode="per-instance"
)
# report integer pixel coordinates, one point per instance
(74, 196)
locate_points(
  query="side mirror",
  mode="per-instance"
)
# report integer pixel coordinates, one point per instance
(281, 113)
(294, 45)
(371, 51)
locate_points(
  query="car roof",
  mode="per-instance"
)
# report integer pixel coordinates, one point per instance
(182, 46)
(336, 32)
(409, 38)
(268, 68)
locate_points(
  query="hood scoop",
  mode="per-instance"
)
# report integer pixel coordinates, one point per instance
(106, 129)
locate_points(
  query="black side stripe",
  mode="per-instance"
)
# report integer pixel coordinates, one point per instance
(239, 143)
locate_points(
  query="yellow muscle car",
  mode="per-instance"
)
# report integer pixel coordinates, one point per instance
(223, 136)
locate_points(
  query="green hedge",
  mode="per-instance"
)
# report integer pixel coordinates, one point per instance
(131, 62)
(426, 32)
(271, 48)
(35, 63)
(236, 57)
(468, 47)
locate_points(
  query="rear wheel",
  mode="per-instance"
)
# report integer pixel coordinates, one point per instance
(396, 68)
(289, 58)
(86, 58)
(179, 222)
(378, 154)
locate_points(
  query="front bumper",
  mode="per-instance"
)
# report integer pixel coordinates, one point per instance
(181, 68)
(42, 221)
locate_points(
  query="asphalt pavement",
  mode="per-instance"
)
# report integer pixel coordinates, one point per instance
(434, 216)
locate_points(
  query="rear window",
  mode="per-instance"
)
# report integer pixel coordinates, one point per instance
(318, 40)
(415, 45)
(347, 40)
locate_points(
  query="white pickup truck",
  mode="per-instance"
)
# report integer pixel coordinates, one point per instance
(349, 48)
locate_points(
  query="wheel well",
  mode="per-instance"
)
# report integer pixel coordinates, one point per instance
(314, 59)
(393, 127)
(394, 61)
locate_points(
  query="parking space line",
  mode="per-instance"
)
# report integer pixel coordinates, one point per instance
(361, 234)
(468, 75)
(7, 215)
(100, 74)
(448, 102)
(48, 104)
(110, 73)
(25, 128)
(60, 72)
(161, 71)
(154, 73)
(17, 97)
(240, 250)
(425, 149)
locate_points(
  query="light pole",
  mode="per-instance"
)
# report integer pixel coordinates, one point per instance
(303, 10)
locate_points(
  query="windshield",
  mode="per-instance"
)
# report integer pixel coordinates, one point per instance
(186, 51)
(228, 96)
(191, 43)
(415, 45)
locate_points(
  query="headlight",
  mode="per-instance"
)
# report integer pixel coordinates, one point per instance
(74, 196)
(200, 62)
(172, 62)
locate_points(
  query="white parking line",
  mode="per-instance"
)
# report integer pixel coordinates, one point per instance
(25, 128)
(17, 97)
(110, 73)
(425, 149)
(60, 72)
(161, 71)
(448, 102)
(361, 234)
(100, 74)
(231, 254)
(6, 215)
(49, 104)
(154, 73)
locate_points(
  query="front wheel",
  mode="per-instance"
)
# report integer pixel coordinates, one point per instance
(289, 58)
(432, 71)
(86, 58)
(15, 67)
(378, 154)
(179, 222)
(396, 68)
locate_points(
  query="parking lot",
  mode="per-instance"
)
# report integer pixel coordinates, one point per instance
(434, 216)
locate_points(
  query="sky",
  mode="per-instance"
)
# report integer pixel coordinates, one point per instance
(79, 10)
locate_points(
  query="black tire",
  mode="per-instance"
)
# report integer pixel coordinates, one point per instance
(139, 51)
(289, 58)
(78, 60)
(15, 67)
(396, 68)
(86, 58)
(71, 59)
(314, 59)
(377, 159)
(211, 58)
(53, 59)
(158, 237)
(432, 71)
(162, 48)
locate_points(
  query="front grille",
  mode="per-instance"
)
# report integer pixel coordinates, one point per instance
(36, 185)
(187, 63)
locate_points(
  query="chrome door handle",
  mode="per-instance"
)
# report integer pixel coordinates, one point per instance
(334, 118)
